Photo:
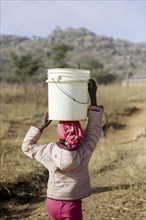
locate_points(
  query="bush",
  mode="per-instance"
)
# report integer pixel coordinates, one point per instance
(105, 78)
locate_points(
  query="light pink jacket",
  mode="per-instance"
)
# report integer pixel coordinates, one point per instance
(68, 170)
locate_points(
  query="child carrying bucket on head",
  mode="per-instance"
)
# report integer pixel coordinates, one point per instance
(67, 160)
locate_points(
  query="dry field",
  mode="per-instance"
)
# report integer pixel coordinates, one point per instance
(117, 168)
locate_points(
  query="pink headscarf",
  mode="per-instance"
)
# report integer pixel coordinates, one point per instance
(70, 132)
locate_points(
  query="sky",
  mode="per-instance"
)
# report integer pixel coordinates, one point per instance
(112, 18)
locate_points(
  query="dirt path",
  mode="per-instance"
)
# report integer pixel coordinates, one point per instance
(135, 125)
(119, 193)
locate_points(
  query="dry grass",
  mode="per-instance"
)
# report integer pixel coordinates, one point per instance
(118, 100)
(20, 109)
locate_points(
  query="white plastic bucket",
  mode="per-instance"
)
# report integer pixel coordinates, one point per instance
(68, 97)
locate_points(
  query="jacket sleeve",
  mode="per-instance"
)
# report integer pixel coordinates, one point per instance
(30, 146)
(94, 127)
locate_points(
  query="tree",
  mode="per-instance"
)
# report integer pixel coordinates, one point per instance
(92, 64)
(58, 54)
(24, 67)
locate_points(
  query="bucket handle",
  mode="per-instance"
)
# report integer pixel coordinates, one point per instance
(62, 90)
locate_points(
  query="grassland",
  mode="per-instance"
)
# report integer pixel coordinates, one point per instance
(116, 169)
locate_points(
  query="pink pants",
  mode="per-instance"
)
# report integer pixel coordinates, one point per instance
(64, 210)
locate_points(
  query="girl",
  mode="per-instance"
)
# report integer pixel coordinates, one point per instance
(67, 160)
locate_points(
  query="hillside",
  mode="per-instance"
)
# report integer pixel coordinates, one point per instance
(117, 56)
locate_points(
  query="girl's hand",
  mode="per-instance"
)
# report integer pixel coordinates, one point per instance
(45, 121)
(92, 89)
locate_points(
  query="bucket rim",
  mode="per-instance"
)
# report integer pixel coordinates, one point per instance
(68, 70)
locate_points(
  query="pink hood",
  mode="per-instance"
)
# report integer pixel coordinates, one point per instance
(70, 132)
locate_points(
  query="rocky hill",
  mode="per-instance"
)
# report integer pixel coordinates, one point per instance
(117, 56)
